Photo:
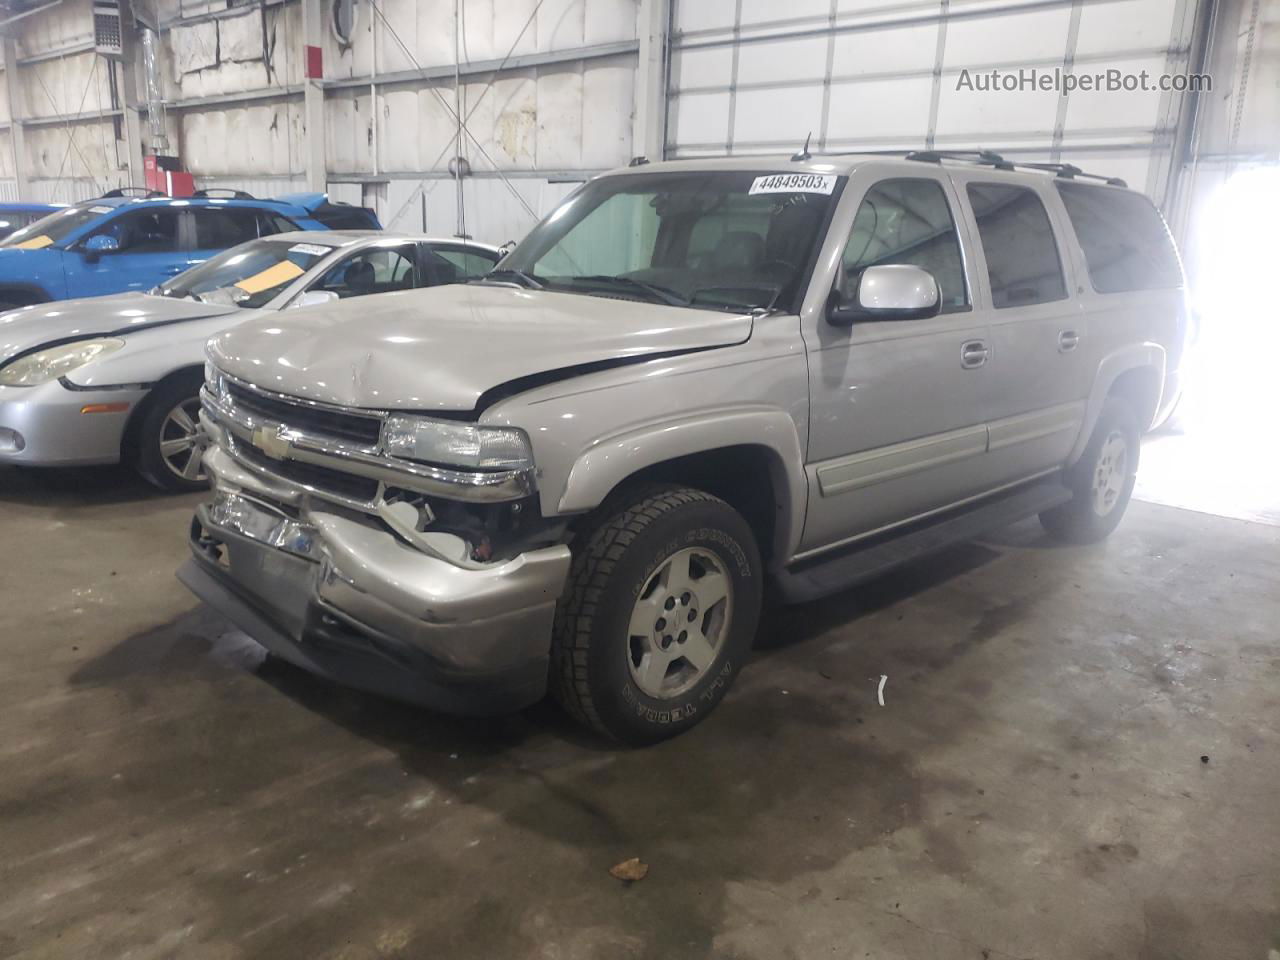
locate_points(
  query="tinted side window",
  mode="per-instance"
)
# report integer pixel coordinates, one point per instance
(1022, 255)
(144, 231)
(269, 223)
(1124, 239)
(220, 229)
(341, 217)
(467, 264)
(908, 221)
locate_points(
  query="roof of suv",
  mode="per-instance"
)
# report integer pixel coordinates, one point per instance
(843, 164)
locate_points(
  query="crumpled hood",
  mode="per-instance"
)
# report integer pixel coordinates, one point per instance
(32, 327)
(442, 348)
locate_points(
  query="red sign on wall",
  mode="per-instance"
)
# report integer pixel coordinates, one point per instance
(315, 63)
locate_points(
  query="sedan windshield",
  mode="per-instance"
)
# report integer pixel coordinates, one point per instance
(56, 227)
(719, 240)
(250, 275)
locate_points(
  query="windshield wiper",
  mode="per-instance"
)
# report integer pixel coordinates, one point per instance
(664, 294)
(522, 278)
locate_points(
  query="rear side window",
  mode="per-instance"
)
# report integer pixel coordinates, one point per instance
(462, 265)
(1022, 255)
(343, 217)
(220, 229)
(1124, 239)
(908, 221)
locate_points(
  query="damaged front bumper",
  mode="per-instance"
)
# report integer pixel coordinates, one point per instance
(339, 594)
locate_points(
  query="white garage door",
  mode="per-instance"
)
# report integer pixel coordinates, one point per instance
(756, 76)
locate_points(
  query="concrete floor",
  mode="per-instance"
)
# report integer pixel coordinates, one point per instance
(1033, 786)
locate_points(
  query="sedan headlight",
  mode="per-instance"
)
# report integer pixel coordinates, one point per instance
(45, 365)
(456, 444)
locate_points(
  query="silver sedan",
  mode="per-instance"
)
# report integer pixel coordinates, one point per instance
(114, 379)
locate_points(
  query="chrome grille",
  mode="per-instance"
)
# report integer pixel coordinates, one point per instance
(324, 480)
(301, 415)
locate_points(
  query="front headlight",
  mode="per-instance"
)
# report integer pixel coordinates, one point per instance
(45, 365)
(457, 444)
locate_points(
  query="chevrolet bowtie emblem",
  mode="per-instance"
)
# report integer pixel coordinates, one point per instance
(269, 441)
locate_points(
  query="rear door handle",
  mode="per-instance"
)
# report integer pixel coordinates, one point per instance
(1068, 340)
(973, 354)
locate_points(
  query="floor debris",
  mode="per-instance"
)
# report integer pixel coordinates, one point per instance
(630, 870)
(880, 689)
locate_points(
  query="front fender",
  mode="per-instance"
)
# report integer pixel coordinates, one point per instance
(1138, 356)
(38, 275)
(611, 460)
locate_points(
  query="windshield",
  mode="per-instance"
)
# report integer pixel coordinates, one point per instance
(250, 275)
(718, 240)
(56, 227)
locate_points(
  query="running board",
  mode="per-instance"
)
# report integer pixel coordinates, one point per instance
(830, 573)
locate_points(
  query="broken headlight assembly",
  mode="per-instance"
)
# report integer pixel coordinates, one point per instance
(464, 446)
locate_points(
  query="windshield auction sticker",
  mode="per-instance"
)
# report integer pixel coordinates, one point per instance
(35, 243)
(794, 183)
(310, 249)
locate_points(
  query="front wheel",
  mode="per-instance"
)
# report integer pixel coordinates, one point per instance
(168, 448)
(1101, 481)
(658, 616)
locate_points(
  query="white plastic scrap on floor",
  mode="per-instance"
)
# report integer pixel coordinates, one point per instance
(880, 689)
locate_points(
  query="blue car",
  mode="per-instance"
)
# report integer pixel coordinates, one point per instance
(120, 242)
(15, 216)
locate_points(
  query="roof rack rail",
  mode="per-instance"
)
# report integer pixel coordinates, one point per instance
(987, 157)
(1065, 170)
(1071, 171)
(120, 192)
(220, 191)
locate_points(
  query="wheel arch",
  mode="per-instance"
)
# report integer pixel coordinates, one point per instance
(23, 294)
(750, 459)
(129, 441)
(1134, 374)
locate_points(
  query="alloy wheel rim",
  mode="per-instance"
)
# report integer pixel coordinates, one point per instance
(178, 447)
(679, 622)
(1110, 473)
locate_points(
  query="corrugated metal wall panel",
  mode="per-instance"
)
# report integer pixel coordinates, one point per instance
(748, 76)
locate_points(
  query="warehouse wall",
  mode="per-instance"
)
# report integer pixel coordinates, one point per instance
(745, 76)
(58, 74)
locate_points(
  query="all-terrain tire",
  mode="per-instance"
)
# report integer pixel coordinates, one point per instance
(621, 563)
(1101, 481)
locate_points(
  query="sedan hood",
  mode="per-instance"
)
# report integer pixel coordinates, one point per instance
(31, 327)
(442, 348)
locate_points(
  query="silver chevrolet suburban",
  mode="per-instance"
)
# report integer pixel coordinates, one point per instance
(692, 381)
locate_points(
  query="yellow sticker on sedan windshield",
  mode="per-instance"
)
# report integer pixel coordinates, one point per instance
(273, 276)
(35, 243)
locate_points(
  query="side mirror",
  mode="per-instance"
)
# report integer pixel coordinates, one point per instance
(99, 244)
(314, 298)
(891, 291)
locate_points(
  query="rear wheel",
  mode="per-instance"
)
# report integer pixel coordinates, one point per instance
(168, 451)
(658, 615)
(1102, 479)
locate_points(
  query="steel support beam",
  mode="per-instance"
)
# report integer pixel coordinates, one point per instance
(483, 67)
(648, 136)
(313, 134)
(130, 95)
(17, 141)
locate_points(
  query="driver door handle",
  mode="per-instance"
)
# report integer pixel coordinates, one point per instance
(974, 354)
